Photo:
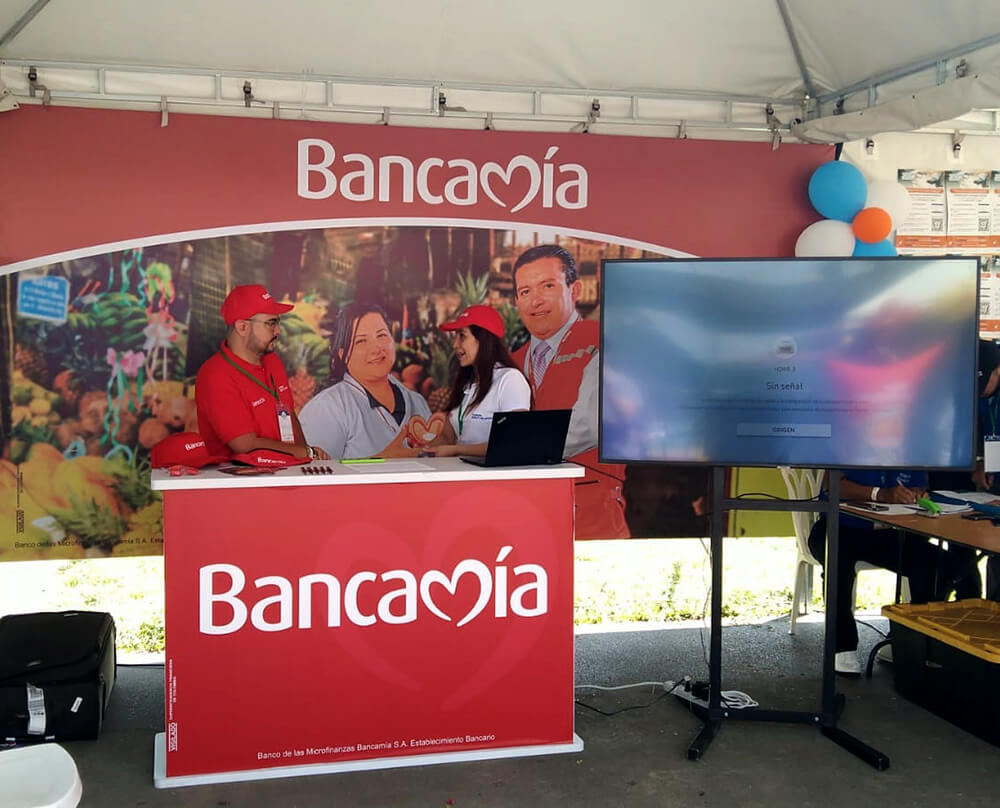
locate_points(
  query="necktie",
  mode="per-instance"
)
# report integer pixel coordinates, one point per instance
(540, 361)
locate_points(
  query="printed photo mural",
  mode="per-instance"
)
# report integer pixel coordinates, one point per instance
(92, 394)
(116, 256)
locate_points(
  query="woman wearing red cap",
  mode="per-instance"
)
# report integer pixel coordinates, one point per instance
(487, 382)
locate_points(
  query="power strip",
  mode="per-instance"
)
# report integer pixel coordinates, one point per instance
(686, 695)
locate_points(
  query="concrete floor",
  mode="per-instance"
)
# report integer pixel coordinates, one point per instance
(636, 758)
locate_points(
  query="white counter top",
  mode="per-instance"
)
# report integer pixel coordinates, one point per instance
(401, 470)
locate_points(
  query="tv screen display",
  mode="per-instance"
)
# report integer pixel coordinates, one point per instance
(826, 363)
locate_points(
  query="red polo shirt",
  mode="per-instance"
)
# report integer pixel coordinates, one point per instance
(231, 403)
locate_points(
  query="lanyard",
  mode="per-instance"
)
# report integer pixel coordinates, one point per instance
(467, 393)
(992, 406)
(272, 390)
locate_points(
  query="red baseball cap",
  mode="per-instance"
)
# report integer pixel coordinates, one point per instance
(484, 316)
(182, 449)
(269, 458)
(245, 301)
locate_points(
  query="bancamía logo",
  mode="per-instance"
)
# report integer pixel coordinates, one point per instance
(279, 604)
(361, 177)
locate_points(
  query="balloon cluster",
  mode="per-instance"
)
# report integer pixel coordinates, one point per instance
(859, 215)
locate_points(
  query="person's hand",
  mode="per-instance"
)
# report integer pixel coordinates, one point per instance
(397, 447)
(319, 453)
(447, 450)
(982, 480)
(901, 495)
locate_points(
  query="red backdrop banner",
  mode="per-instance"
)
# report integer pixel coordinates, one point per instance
(77, 178)
(121, 237)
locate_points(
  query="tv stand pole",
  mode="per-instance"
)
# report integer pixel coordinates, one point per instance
(831, 702)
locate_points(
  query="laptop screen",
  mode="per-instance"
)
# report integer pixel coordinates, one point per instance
(526, 438)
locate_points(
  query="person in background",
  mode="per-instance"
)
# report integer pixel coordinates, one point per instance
(987, 424)
(487, 382)
(365, 411)
(862, 540)
(561, 363)
(241, 393)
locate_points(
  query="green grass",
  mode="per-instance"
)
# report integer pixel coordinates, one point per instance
(632, 581)
(131, 589)
(663, 580)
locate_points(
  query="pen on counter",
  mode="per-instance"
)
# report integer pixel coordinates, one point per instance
(365, 460)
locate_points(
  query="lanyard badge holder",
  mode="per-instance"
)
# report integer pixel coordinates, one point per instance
(991, 454)
(285, 425)
(991, 443)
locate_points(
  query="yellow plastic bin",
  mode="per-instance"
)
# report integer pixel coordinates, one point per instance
(947, 658)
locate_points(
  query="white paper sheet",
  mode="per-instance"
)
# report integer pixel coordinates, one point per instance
(884, 509)
(979, 497)
(387, 466)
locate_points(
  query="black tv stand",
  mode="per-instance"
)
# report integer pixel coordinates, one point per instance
(831, 703)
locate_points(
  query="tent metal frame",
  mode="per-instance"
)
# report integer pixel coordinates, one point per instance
(619, 109)
(531, 101)
(757, 115)
(809, 104)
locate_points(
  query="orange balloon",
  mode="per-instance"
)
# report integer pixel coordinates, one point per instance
(872, 225)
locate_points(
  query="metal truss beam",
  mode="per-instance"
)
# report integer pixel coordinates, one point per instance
(22, 22)
(532, 98)
(871, 85)
(786, 20)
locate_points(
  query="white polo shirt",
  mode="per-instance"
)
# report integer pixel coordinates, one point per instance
(346, 422)
(509, 391)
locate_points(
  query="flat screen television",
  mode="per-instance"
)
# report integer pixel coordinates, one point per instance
(825, 363)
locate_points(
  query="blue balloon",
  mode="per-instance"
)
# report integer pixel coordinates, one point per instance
(838, 190)
(879, 248)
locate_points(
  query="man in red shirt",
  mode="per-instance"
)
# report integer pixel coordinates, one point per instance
(244, 402)
(561, 364)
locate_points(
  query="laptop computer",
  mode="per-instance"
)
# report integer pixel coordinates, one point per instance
(525, 438)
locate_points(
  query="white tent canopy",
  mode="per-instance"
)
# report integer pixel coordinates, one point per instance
(715, 68)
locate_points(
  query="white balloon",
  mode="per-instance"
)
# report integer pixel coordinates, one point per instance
(892, 197)
(827, 237)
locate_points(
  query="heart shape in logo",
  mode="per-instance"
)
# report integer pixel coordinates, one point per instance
(469, 566)
(491, 169)
(421, 432)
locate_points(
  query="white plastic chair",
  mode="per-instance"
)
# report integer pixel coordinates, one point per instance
(806, 484)
(42, 776)
(802, 484)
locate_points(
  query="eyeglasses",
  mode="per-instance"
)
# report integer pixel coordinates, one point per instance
(274, 323)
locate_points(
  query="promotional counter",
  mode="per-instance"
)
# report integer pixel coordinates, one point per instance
(372, 615)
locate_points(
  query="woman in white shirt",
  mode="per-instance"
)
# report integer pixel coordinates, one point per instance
(364, 411)
(487, 381)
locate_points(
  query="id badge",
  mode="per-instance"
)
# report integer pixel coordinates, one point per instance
(991, 454)
(285, 426)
